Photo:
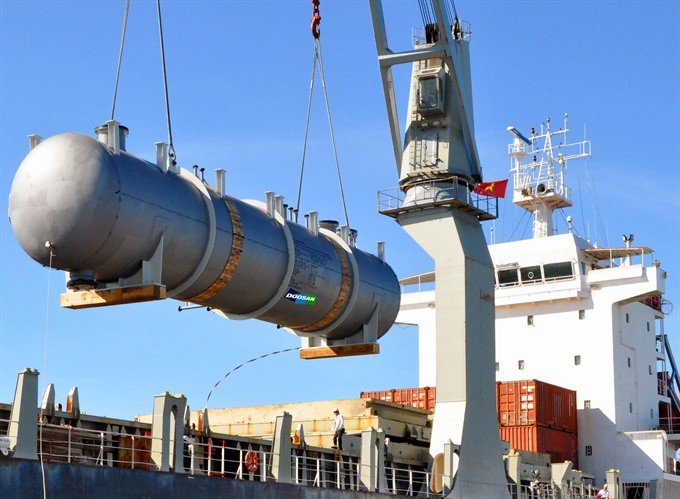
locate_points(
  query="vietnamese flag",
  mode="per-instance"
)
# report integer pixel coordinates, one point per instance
(495, 189)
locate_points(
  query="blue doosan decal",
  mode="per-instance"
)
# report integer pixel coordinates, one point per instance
(300, 298)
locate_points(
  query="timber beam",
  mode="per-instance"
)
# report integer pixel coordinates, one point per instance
(113, 296)
(339, 351)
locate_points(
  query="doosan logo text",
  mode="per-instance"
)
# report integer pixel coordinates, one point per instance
(300, 298)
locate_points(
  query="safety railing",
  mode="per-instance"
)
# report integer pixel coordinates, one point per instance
(548, 491)
(635, 257)
(218, 457)
(311, 468)
(670, 424)
(661, 385)
(539, 182)
(413, 482)
(69, 444)
(432, 193)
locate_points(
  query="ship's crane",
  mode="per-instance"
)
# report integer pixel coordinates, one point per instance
(438, 169)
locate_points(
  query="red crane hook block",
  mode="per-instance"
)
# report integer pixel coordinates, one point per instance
(316, 19)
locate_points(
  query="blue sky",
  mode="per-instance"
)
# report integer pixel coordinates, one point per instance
(238, 76)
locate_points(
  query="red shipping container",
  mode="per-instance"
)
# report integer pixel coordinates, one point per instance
(533, 402)
(401, 396)
(561, 445)
(422, 398)
(384, 395)
(430, 398)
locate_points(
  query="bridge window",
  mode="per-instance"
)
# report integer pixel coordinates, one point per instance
(531, 274)
(555, 271)
(508, 277)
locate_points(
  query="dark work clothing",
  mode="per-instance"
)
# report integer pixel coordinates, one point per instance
(337, 438)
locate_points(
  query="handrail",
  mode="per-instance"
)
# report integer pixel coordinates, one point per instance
(322, 468)
(461, 194)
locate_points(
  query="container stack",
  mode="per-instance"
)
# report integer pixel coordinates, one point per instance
(532, 415)
(538, 417)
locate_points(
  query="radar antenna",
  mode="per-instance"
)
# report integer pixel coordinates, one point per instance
(538, 165)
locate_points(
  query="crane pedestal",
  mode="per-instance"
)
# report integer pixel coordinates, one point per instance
(465, 411)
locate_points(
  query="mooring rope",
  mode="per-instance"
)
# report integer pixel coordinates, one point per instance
(50, 246)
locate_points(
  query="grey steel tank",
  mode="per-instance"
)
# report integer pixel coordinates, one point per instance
(106, 214)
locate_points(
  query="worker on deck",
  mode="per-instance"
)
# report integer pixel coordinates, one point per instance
(604, 493)
(338, 429)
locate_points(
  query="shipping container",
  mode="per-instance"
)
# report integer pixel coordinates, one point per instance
(384, 395)
(422, 398)
(561, 445)
(533, 402)
(401, 395)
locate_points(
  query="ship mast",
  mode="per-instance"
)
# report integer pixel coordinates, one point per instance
(538, 167)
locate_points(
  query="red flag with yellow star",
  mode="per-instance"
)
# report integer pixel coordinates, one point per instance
(495, 188)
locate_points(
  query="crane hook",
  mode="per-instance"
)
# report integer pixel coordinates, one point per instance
(316, 19)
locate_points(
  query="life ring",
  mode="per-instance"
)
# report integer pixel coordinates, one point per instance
(252, 461)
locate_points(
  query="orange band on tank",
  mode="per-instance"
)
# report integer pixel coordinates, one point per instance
(339, 305)
(233, 259)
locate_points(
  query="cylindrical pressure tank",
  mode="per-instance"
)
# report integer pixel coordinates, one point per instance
(105, 211)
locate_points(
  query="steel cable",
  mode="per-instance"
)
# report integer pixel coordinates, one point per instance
(304, 145)
(317, 59)
(330, 125)
(517, 226)
(120, 57)
(171, 147)
(450, 5)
